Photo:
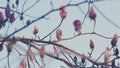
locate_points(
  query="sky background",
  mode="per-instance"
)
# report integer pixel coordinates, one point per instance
(110, 8)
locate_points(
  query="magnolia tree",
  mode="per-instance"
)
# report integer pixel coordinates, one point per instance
(34, 34)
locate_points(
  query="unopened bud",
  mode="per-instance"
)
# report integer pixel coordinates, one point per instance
(63, 11)
(92, 14)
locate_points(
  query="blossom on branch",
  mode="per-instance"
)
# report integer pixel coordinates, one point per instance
(23, 64)
(31, 55)
(107, 55)
(17, 2)
(114, 40)
(35, 30)
(56, 48)
(63, 11)
(1, 47)
(58, 33)
(91, 44)
(92, 14)
(42, 51)
(12, 18)
(1, 19)
(77, 25)
(7, 11)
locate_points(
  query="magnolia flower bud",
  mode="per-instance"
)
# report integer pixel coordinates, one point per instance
(42, 51)
(116, 52)
(13, 6)
(63, 11)
(23, 64)
(75, 59)
(11, 45)
(59, 34)
(114, 40)
(91, 44)
(1, 47)
(35, 30)
(77, 25)
(1, 20)
(21, 17)
(31, 55)
(82, 60)
(55, 47)
(7, 11)
(12, 18)
(113, 63)
(17, 2)
(92, 13)
(107, 55)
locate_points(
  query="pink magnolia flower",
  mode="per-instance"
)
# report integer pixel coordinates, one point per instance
(1, 47)
(92, 13)
(17, 2)
(114, 40)
(77, 25)
(63, 11)
(23, 64)
(42, 51)
(12, 18)
(91, 44)
(7, 11)
(58, 34)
